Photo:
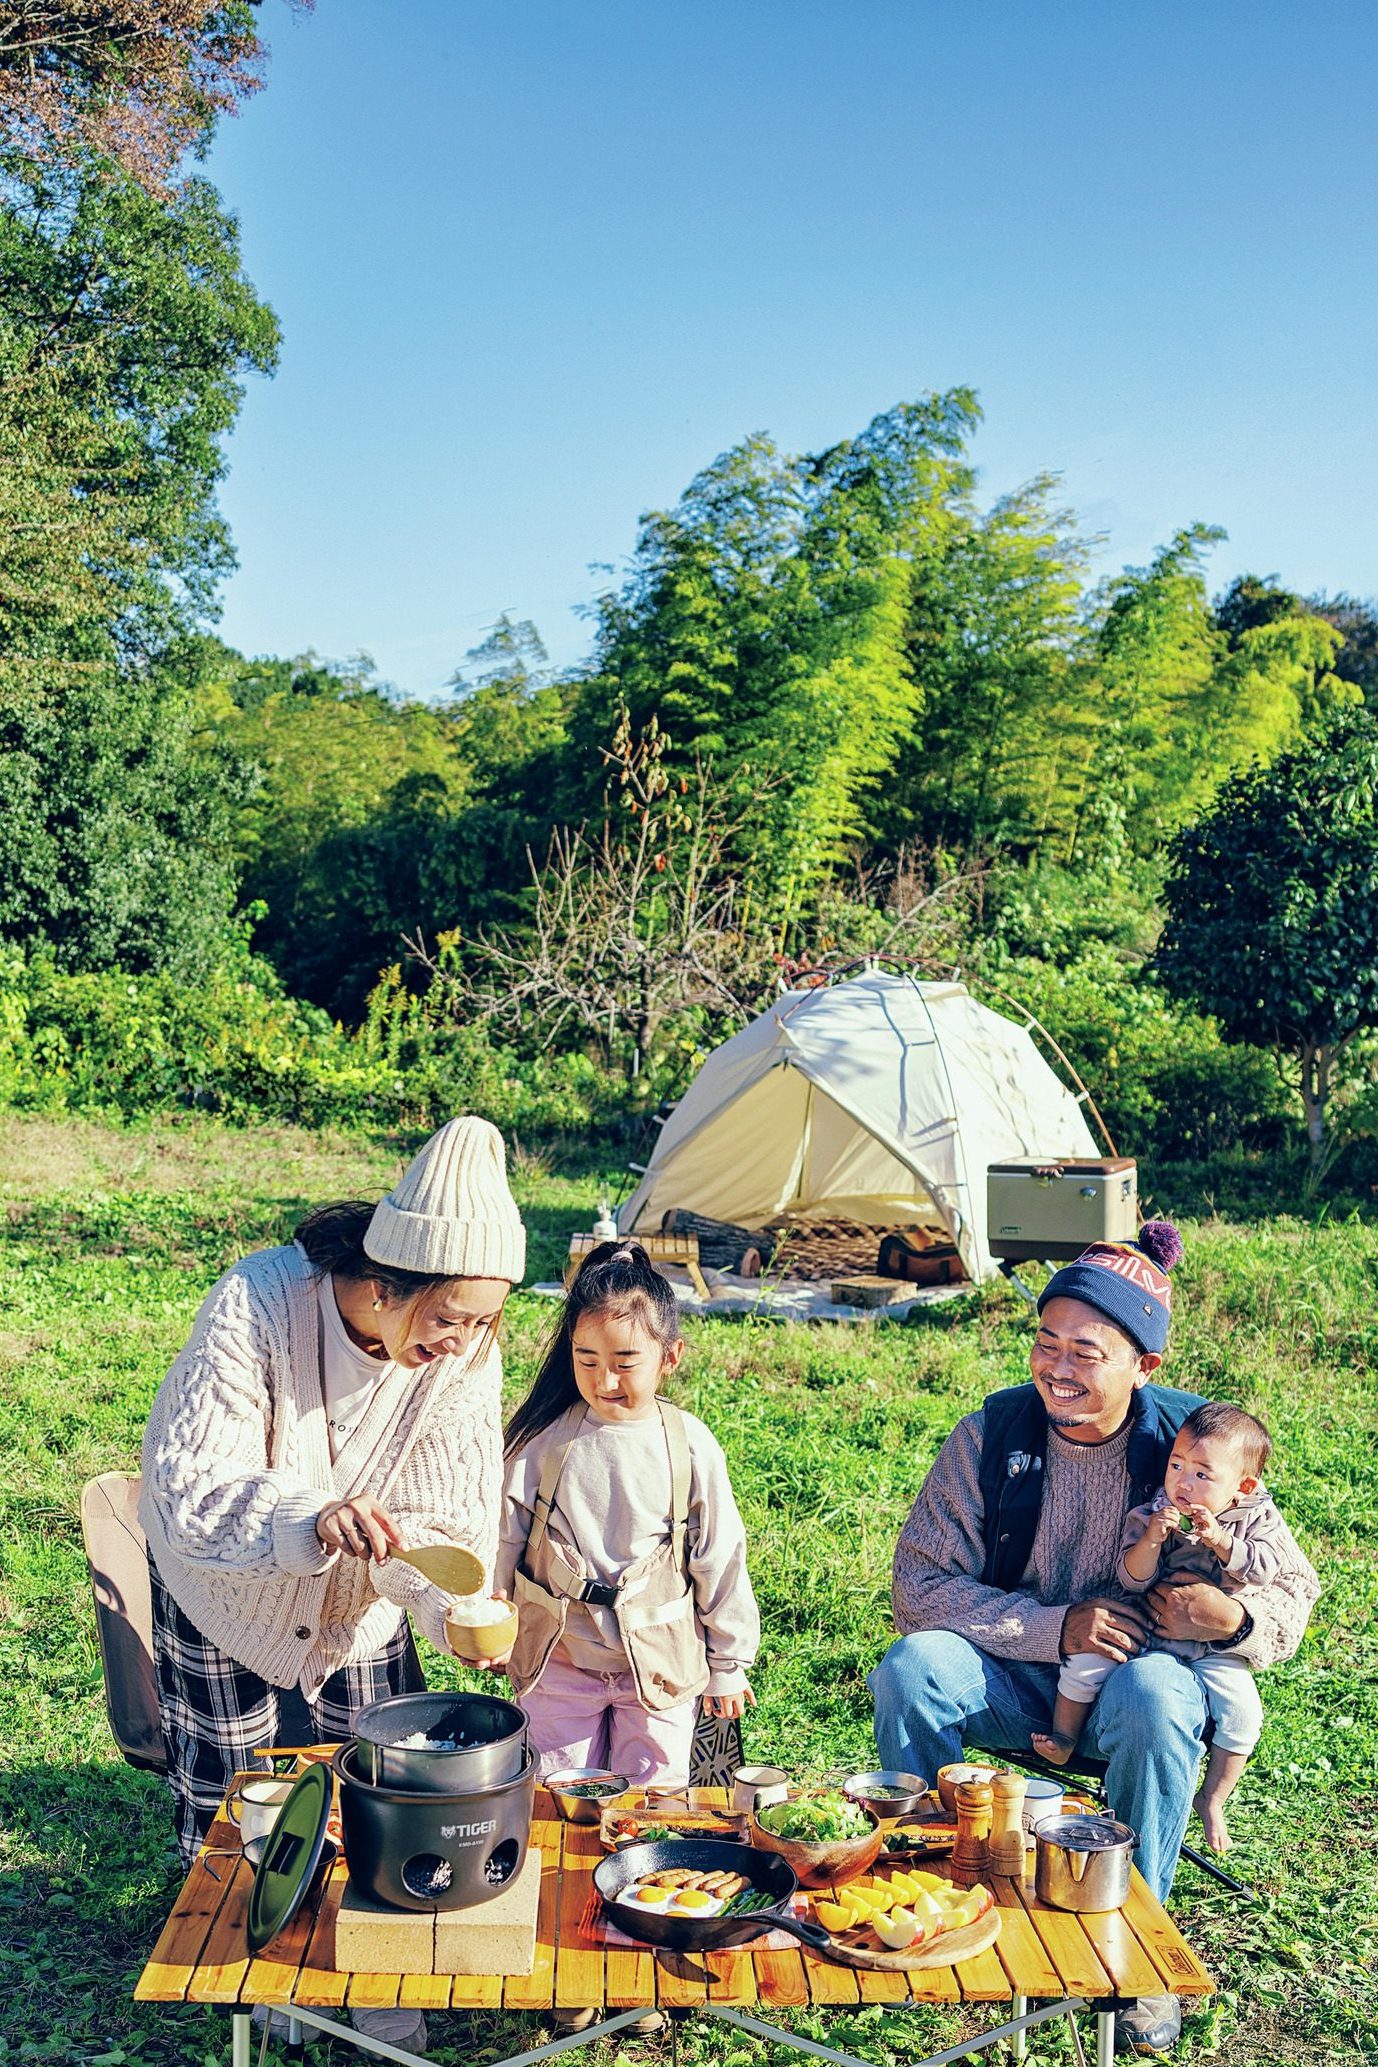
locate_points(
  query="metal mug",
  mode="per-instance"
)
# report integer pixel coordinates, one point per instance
(1042, 1798)
(1083, 1862)
(756, 1787)
(255, 1804)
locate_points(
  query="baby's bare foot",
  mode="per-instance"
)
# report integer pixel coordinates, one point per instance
(1212, 1816)
(1057, 1750)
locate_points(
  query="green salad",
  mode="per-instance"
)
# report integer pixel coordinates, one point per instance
(816, 1819)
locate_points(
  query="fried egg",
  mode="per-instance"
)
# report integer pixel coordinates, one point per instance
(646, 1895)
(693, 1902)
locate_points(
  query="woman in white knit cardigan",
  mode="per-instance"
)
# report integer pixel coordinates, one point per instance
(338, 1396)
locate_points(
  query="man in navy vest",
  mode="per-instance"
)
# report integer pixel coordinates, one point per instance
(1006, 1564)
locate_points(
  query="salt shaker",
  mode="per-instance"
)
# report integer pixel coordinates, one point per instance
(1005, 1848)
(970, 1854)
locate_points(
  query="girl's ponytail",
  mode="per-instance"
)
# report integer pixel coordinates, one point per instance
(615, 1277)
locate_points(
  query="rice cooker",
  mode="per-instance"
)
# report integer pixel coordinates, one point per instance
(436, 1794)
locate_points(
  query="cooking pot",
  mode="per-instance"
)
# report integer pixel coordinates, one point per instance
(1083, 1861)
(471, 1740)
(423, 1850)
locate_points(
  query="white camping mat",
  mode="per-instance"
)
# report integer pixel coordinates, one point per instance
(783, 1299)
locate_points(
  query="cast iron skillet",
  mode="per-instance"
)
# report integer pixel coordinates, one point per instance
(766, 1871)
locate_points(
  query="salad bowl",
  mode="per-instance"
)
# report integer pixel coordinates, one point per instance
(822, 1837)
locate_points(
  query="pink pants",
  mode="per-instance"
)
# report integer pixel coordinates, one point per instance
(596, 1719)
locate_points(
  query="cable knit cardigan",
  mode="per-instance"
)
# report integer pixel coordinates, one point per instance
(237, 1465)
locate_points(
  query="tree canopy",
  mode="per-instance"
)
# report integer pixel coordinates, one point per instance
(139, 82)
(1272, 906)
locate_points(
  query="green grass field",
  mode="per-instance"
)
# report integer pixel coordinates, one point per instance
(111, 1239)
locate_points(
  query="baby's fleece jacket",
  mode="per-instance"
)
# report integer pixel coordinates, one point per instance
(1260, 1541)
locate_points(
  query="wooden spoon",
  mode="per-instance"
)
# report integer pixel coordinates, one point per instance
(449, 1566)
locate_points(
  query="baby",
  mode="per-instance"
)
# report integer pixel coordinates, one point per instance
(1212, 1519)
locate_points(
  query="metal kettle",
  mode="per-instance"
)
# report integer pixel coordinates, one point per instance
(1083, 1862)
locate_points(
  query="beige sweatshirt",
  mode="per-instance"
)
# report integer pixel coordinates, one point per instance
(237, 1465)
(612, 1507)
(940, 1556)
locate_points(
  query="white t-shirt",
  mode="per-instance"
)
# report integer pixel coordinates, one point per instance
(352, 1376)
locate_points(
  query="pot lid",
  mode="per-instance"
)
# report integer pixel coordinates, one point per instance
(1085, 1833)
(291, 1854)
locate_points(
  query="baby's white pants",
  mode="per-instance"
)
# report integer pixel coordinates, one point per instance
(1227, 1683)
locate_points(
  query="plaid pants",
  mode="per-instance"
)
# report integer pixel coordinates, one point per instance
(214, 1711)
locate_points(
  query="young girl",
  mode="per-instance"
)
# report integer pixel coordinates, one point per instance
(621, 1541)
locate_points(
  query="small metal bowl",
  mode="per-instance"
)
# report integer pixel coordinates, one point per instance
(584, 1808)
(905, 1791)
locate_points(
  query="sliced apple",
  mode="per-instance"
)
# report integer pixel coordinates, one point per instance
(835, 1916)
(929, 1910)
(927, 1880)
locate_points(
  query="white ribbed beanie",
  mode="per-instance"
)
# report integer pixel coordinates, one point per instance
(452, 1214)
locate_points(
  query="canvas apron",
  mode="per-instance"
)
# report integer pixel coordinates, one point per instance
(653, 1600)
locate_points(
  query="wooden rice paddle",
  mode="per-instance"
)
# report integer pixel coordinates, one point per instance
(449, 1566)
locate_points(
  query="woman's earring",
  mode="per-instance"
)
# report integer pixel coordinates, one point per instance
(377, 1306)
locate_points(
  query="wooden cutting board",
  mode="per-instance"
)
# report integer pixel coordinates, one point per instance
(849, 1950)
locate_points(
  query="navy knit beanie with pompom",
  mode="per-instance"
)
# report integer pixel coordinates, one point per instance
(1126, 1281)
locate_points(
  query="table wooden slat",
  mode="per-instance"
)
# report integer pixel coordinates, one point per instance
(579, 1967)
(1182, 1971)
(1121, 1954)
(273, 1975)
(536, 1990)
(1019, 1948)
(476, 1991)
(732, 1977)
(172, 1964)
(780, 1979)
(373, 1991)
(320, 1984)
(424, 1992)
(631, 1977)
(830, 1984)
(224, 1958)
(681, 1980)
(1067, 1946)
(982, 1978)
(882, 1987)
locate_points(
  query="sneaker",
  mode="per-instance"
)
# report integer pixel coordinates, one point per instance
(575, 2020)
(402, 2026)
(278, 2024)
(1150, 2024)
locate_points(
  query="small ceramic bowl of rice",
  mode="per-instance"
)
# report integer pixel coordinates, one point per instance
(477, 1629)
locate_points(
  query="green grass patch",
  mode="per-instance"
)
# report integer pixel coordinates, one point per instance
(112, 1237)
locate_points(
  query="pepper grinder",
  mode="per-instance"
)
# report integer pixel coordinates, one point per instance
(970, 1854)
(1005, 1849)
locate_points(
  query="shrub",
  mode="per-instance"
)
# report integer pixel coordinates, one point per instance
(1167, 1083)
(237, 1045)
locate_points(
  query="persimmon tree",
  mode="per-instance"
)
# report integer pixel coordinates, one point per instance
(1272, 902)
(139, 82)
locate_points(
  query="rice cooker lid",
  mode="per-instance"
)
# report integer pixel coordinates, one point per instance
(290, 1857)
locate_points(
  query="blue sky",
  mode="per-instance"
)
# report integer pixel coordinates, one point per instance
(537, 261)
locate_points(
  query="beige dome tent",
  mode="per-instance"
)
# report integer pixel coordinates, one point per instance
(880, 1099)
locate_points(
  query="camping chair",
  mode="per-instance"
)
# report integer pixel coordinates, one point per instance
(117, 1558)
(1090, 1774)
(716, 1752)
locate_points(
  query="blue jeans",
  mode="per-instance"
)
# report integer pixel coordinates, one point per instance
(934, 1690)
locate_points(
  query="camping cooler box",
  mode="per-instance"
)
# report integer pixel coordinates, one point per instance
(1052, 1210)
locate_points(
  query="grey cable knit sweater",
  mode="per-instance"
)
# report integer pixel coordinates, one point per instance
(237, 1465)
(941, 1554)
